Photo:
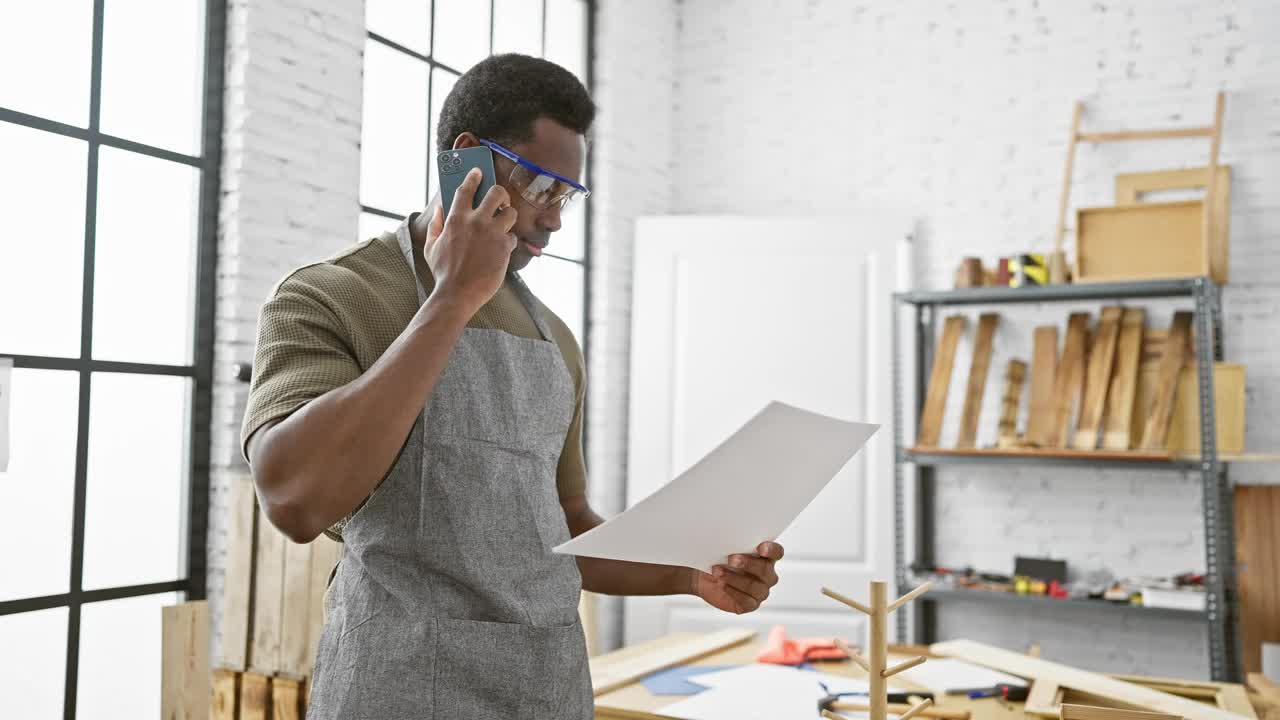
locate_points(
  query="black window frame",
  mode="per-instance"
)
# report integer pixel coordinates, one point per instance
(208, 162)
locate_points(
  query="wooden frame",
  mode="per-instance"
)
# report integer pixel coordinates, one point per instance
(1141, 242)
(1211, 204)
(1130, 187)
(1047, 698)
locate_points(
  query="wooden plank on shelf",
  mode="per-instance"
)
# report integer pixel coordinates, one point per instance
(1010, 402)
(225, 703)
(1117, 431)
(1257, 530)
(295, 611)
(184, 673)
(1075, 679)
(1228, 406)
(977, 379)
(237, 591)
(1101, 360)
(1044, 368)
(1155, 434)
(1069, 380)
(607, 676)
(255, 696)
(1131, 187)
(1147, 241)
(268, 595)
(325, 553)
(935, 403)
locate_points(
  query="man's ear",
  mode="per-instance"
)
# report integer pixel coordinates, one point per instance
(466, 140)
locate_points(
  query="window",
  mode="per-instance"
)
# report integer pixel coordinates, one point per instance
(107, 231)
(415, 51)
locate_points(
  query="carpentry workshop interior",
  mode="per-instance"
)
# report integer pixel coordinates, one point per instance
(687, 359)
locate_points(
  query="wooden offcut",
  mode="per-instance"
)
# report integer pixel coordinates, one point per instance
(184, 668)
(1156, 431)
(1118, 416)
(1073, 678)
(225, 703)
(1092, 712)
(935, 403)
(977, 380)
(1069, 380)
(1014, 377)
(238, 588)
(1101, 359)
(1044, 370)
(255, 696)
(1147, 241)
(1046, 697)
(1131, 187)
(1257, 531)
(268, 595)
(614, 675)
(286, 699)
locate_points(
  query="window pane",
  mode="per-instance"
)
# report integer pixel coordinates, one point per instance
(462, 33)
(407, 22)
(372, 226)
(144, 262)
(393, 143)
(517, 26)
(567, 35)
(153, 72)
(42, 183)
(55, 37)
(38, 488)
(33, 652)
(136, 504)
(120, 658)
(442, 82)
(559, 284)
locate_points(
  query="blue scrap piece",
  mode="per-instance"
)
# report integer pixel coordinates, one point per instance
(675, 681)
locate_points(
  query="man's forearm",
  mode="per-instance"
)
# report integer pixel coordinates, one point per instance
(618, 577)
(318, 464)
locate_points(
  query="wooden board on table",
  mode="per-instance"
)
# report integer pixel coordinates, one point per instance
(1044, 369)
(1093, 712)
(977, 380)
(184, 667)
(1046, 696)
(237, 591)
(935, 403)
(1257, 529)
(225, 703)
(255, 696)
(1069, 380)
(268, 595)
(1146, 241)
(325, 554)
(1117, 430)
(1155, 433)
(1101, 360)
(295, 611)
(613, 674)
(1072, 678)
(1130, 188)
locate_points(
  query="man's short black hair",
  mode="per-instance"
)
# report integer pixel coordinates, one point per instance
(501, 96)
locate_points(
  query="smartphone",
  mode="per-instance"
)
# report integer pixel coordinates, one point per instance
(454, 165)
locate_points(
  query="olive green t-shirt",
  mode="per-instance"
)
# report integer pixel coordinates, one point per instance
(326, 323)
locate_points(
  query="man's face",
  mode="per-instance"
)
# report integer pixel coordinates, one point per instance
(554, 147)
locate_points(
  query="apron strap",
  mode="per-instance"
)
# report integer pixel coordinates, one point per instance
(517, 283)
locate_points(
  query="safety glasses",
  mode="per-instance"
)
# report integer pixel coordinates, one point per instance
(540, 188)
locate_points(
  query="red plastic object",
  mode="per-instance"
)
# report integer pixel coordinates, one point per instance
(782, 650)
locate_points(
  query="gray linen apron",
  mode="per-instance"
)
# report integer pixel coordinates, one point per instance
(448, 603)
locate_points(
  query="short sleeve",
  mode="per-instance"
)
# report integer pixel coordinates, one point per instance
(303, 352)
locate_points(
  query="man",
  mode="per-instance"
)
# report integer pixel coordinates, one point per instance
(411, 397)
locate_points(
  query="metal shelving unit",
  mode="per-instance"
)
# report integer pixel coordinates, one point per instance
(1220, 612)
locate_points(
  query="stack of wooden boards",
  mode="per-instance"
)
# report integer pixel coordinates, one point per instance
(1113, 387)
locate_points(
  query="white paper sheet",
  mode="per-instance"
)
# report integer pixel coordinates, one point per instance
(744, 492)
(776, 678)
(739, 703)
(941, 675)
(6, 388)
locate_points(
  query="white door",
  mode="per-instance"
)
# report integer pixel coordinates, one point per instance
(730, 313)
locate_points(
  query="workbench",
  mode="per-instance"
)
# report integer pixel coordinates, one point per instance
(634, 702)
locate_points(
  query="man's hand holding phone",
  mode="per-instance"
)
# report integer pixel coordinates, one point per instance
(469, 251)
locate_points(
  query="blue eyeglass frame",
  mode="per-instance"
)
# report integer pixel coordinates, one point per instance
(531, 166)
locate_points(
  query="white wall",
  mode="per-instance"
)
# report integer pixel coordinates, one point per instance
(958, 114)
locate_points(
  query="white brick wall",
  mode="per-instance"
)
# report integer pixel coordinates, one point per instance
(290, 174)
(957, 113)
